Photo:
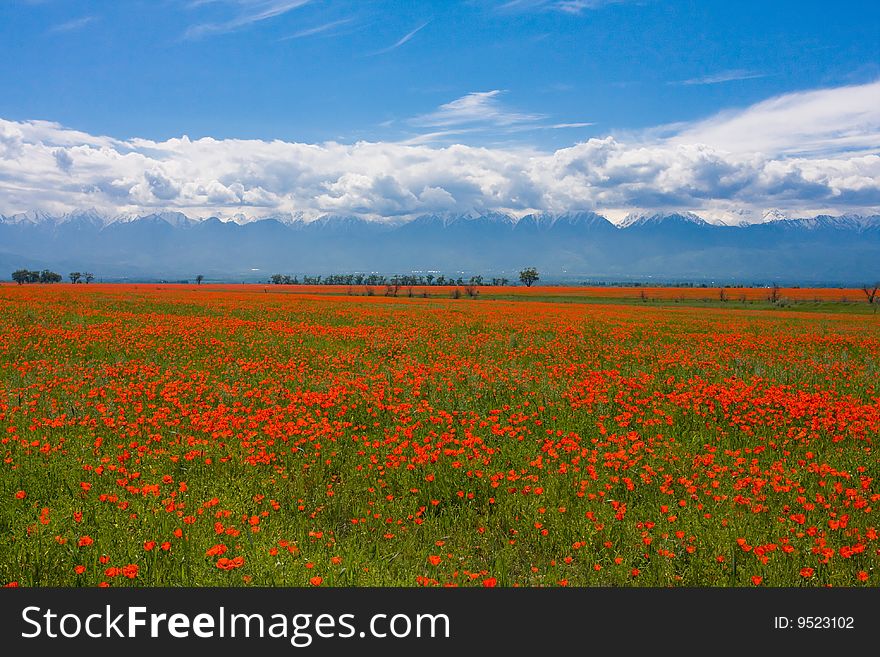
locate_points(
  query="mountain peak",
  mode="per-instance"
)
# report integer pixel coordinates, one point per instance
(773, 214)
(850, 222)
(571, 219)
(286, 218)
(176, 219)
(676, 245)
(89, 216)
(447, 219)
(658, 218)
(29, 217)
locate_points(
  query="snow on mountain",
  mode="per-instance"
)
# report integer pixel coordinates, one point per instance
(30, 217)
(542, 220)
(850, 222)
(294, 219)
(658, 218)
(773, 214)
(90, 217)
(674, 244)
(176, 219)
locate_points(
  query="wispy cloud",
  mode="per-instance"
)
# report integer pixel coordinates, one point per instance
(723, 76)
(320, 29)
(252, 11)
(435, 137)
(406, 37)
(558, 87)
(565, 6)
(70, 26)
(577, 6)
(482, 112)
(478, 107)
(823, 121)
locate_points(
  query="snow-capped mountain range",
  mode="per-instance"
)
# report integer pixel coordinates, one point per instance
(680, 245)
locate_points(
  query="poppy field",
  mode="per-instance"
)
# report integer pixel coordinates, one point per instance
(239, 435)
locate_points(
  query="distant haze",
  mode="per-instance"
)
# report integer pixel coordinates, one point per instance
(567, 247)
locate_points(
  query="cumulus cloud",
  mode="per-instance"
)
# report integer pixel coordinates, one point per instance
(63, 160)
(11, 141)
(808, 150)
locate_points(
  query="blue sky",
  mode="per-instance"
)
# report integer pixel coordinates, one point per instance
(329, 69)
(507, 75)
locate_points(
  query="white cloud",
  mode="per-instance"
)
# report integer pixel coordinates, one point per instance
(723, 76)
(811, 122)
(561, 126)
(565, 6)
(318, 29)
(63, 160)
(406, 37)
(72, 25)
(474, 108)
(796, 152)
(251, 11)
(481, 112)
(577, 6)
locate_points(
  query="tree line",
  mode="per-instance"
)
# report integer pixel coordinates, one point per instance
(526, 276)
(379, 280)
(22, 276)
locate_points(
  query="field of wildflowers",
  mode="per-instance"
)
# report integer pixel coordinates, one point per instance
(225, 436)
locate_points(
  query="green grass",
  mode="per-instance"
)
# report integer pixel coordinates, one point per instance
(619, 443)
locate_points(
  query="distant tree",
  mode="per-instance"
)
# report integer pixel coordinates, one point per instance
(89, 277)
(47, 276)
(529, 276)
(33, 277)
(199, 279)
(722, 294)
(429, 278)
(871, 291)
(774, 295)
(20, 276)
(471, 290)
(75, 276)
